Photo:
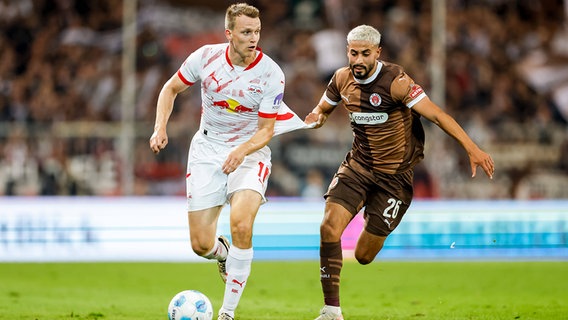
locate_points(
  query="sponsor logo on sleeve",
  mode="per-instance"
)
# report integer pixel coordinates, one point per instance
(278, 99)
(415, 91)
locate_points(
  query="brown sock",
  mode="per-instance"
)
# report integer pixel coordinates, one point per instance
(331, 262)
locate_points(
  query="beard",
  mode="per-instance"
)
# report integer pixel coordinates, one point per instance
(361, 73)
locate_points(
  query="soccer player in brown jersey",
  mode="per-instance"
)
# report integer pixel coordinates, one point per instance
(385, 106)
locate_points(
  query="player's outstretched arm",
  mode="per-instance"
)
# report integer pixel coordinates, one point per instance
(164, 107)
(477, 157)
(319, 114)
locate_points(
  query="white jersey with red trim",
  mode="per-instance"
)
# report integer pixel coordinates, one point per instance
(233, 97)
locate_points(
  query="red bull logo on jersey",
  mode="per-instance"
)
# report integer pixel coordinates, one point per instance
(232, 106)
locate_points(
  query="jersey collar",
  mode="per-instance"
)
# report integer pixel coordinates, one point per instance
(373, 76)
(250, 66)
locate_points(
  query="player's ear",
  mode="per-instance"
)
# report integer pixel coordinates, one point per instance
(228, 34)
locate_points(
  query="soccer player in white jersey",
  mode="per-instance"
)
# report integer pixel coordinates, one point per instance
(229, 160)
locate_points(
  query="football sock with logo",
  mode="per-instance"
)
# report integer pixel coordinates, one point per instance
(218, 252)
(238, 270)
(331, 262)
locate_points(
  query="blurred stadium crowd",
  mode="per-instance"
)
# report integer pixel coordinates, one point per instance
(60, 82)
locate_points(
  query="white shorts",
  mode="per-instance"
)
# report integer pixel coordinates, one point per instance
(206, 184)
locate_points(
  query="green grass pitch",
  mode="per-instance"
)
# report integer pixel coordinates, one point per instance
(289, 290)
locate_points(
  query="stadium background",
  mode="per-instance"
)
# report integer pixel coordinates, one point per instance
(70, 125)
(79, 82)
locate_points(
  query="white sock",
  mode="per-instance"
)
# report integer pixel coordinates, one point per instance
(218, 252)
(336, 310)
(238, 270)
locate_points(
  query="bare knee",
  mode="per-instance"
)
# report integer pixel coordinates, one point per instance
(202, 243)
(368, 246)
(202, 229)
(200, 247)
(328, 232)
(364, 259)
(331, 231)
(335, 220)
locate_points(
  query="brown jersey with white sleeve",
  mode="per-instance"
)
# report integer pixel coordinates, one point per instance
(388, 135)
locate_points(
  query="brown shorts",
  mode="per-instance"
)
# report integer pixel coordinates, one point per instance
(385, 197)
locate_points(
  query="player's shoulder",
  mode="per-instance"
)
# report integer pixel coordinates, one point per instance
(215, 46)
(342, 74)
(269, 62)
(390, 67)
(269, 66)
(395, 73)
(343, 71)
(208, 50)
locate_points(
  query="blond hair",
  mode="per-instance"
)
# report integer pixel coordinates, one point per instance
(364, 33)
(237, 10)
